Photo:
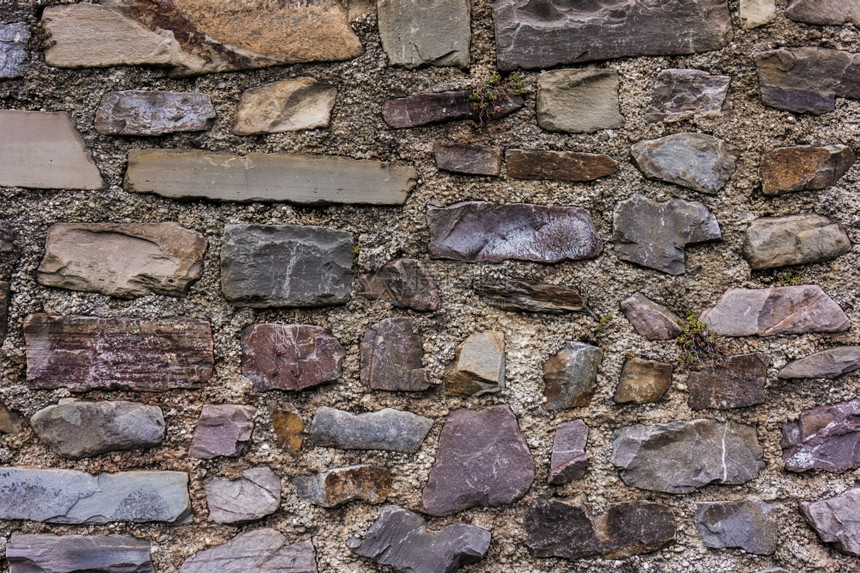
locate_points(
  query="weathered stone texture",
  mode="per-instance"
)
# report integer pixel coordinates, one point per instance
(558, 165)
(643, 381)
(824, 12)
(530, 296)
(13, 49)
(387, 429)
(222, 430)
(804, 168)
(830, 364)
(424, 108)
(694, 160)
(337, 486)
(391, 357)
(288, 426)
(733, 382)
(755, 13)
(8, 259)
(469, 159)
(578, 101)
(837, 520)
(651, 320)
(258, 551)
(405, 282)
(153, 113)
(288, 105)
(750, 525)
(773, 242)
(256, 494)
(825, 438)
(570, 376)
(421, 32)
(72, 553)
(569, 460)
(10, 422)
(480, 365)
(684, 94)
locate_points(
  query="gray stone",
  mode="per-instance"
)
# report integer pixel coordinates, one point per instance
(420, 32)
(43, 150)
(77, 429)
(75, 553)
(13, 49)
(824, 12)
(837, 520)
(288, 105)
(654, 234)
(256, 494)
(298, 178)
(643, 381)
(470, 159)
(680, 457)
(651, 320)
(755, 13)
(569, 460)
(258, 551)
(480, 365)
(774, 311)
(264, 266)
(10, 422)
(773, 570)
(558, 165)
(222, 430)
(733, 382)
(570, 376)
(694, 160)
(153, 113)
(483, 461)
(684, 94)
(804, 167)
(401, 539)
(750, 525)
(386, 429)
(391, 357)
(405, 282)
(830, 364)
(337, 486)
(423, 108)
(773, 242)
(66, 496)
(578, 101)
(530, 296)
(825, 438)
(8, 259)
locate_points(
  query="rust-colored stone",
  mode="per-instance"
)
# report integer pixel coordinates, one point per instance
(801, 168)
(559, 165)
(288, 427)
(340, 485)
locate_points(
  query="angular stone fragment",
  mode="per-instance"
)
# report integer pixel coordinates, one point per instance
(222, 430)
(643, 381)
(77, 429)
(289, 105)
(825, 438)
(755, 13)
(680, 457)
(774, 311)
(290, 356)
(43, 150)
(470, 159)
(569, 460)
(341, 485)
(258, 551)
(684, 94)
(434, 32)
(773, 242)
(651, 320)
(153, 113)
(298, 178)
(421, 109)
(87, 353)
(123, 259)
(256, 494)
(837, 520)
(824, 12)
(557, 529)
(694, 160)
(746, 524)
(401, 539)
(387, 429)
(288, 427)
(829, 364)
(483, 231)
(803, 168)
(391, 357)
(10, 422)
(66, 496)
(72, 553)
(570, 376)
(735, 382)
(483, 461)
(264, 266)
(578, 101)
(559, 165)
(542, 34)
(531, 296)
(480, 365)
(13, 49)
(8, 258)
(405, 282)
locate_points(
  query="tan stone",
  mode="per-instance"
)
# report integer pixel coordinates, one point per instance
(290, 105)
(576, 101)
(643, 381)
(755, 13)
(480, 365)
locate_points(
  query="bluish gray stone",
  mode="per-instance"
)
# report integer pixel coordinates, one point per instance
(750, 525)
(387, 429)
(256, 494)
(258, 551)
(694, 160)
(153, 113)
(13, 49)
(425, 32)
(77, 553)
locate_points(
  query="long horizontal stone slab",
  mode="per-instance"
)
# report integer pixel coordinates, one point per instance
(773, 242)
(387, 429)
(153, 113)
(298, 178)
(70, 553)
(257, 551)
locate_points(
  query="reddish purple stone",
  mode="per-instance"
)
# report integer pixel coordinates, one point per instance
(825, 438)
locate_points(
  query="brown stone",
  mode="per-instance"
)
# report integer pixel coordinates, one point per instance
(421, 109)
(531, 296)
(288, 427)
(289, 105)
(341, 485)
(803, 168)
(469, 159)
(643, 381)
(405, 282)
(10, 422)
(734, 382)
(391, 357)
(559, 165)
(480, 365)
(570, 376)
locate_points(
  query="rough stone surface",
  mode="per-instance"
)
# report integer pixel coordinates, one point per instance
(483, 231)
(558, 165)
(643, 381)
(694, 160)
(288, 426)
(290, 356)
(13, 49)
(288, 105)
(831, 363)
(755, 13)
(123, 260)
(72, 553)
(750, 525)
(258, 551)
(654, 234)
(773, 311)
(222, 430)
(680, 457)
(86, 353)
(153, 113)
(391, 357)
(773, 242)
(825, 438)
(734, 382)
(570, 376)
(434, 32)
(651, 320)
(10, 422)
(256, 494)
(480, 365)
(483, 461)
(401, 539)
(837, 520)
(266, 266)
(8, 260)
(824, 12)
(578, 101)
(337, 486)
(569, 460)
(470, 159)
(804, 168)
(530, 296)
(684, 94)
(424, 108)
(387, 429)
(406, 283)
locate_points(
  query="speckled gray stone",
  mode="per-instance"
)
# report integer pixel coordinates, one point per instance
(773, 242)
(13, 49)
(387, 429)
(153, 113)
(694, 160)
(76, 553)
(425, 32)
(830, 363)
(747, 524)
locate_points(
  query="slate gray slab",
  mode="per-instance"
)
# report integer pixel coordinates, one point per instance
(259, 551)
(643, 381)
(529, 295)
(471, 159)
(570, 375)
(337, 486)
(825, 438)
(479, 367)
(830, 364)
(153, 113)
(681, 94)
(804, 167)
(568, 460)
(392, 357)
(651, 320)
(578, 101)
(429, 32)
(386, 429)
(222, 430)
(13, 49)
(256, 494)
(732, 382)
(424, 108)
(693, 160)
(288, 105)
(558, 165)
(750, 525)
(27, 553)
(406, 283)
(824, 12)
(773, 242)
(836, 520)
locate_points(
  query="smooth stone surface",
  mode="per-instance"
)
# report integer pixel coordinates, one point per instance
(735, 382)
(825, 438)
(530, 296)
(13, 49)
(337, 486)
(755, 13)
(651, 320)
(654, 234)
(10, 422)
(401, 539)
(290, 356)
(77, 429)
(43, 150)
(432, 107)
(824, 12)
(123, 260)
(774, 311)
(773, 242)
(266, 266)
(578, 101)
(222, 430)
(471, 159)
(66, 496)
(258, 551)
(73, 553)
(480, 365)
(684, 94)
(680, 457)
(830, 364)
(386, 429)
(804, 168)
(256, 494)
(288, 426)
(294, 177)
(483, 231)
(693, 160)
(89, 353)
(288, 105)
(750, 525)
(391, 357)
(558, 165)
(570, 375)
(836, 520)
(542, 34)
(153, 113)
(425, 32)
(568, 460)
(406, 283)
(643, 381)
(483, 461)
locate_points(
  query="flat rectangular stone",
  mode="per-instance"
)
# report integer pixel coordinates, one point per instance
(469, 159)
(558, 165)
(308, 179)
(86, 353)
(73, 553)
(153, 113)
(424, 108)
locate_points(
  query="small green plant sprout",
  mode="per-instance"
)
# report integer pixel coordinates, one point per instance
(603, 321)
(790, 278)
(487, 98)
(698, 344)
(40, 38)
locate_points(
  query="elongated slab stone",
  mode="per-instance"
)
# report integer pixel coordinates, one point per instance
(750, 525)
(804, 168)
(153, 113)
(405, 282)
(684, 94)
(123, 260)
(222, 430)
(256, 494)
(434, 32)
(568, 460)
(13, 49)
(71, 553)
(774, 311)
(387, 429)
(773, 242)
(392, 357)
(824, 12)
(836, 521)
(570, 376)
(87, 353)
(530, 296)
(483, 231)
(43, 150)
(289, 105)
(470, 159)
(542, 34)
(401, 539)
(825, 438)
(830, 364)
(735, 382)
(680, 457)
(694, 160)
(421, 109)
(306, 179)
(578, 101)
(337, 486)
(558, 165)
(651, 320)
(480, 365)
(258, 551)
(8, 259)
(66, 496)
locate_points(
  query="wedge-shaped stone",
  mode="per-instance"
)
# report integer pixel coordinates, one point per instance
(825, 438)
(257, 551)
(256, 494)
(71, 553)
(542, 34)
(387, 429)
(830, 364)
(694, 160)
(66, 496)
(680, 457)
(13, 49)
(434, 32)
(570, 376)
(651, 320)
(401, 539)
(530, 296)
(774, 311)
(824, 12)
(124, 259)
(559, 165)
(480, 365)
(421, 109)
(153, 113)
(222, 430)
(802, 168)
(569, 460)
(43, 150)
(773, 242)
(750, 525)
(735, 382)
(392, 357)
(578, 101)
(470, 159)
(836, 520)
(643, 381)
(341, 485)
(684, 94)
(87, 353)
(307, 179)
(405, 282)
(289, 105)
